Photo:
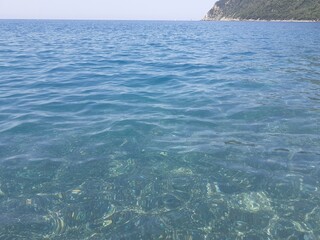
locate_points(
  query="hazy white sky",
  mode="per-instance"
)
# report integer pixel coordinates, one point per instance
(105, 9)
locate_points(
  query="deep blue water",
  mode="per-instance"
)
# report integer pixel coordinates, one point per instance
(159, 130)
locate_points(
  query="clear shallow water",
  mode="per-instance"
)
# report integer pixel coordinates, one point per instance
(159, 130)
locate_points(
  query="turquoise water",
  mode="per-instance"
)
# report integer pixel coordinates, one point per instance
(159, 130)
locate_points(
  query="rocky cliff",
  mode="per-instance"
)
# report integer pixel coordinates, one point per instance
(303, 10)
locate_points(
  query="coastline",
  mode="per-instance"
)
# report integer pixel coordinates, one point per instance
(256, 20)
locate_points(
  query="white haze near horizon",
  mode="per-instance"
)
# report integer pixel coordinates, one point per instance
(104, 9)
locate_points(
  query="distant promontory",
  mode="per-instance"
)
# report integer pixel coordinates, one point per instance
(268, 10)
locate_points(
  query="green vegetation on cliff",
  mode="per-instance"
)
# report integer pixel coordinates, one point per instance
(265, 10)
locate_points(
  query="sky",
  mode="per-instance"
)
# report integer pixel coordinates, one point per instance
(105, 9)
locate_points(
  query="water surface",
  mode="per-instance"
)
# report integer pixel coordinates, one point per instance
(159, 130)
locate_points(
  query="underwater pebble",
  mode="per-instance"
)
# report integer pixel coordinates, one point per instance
(29, 202)
(252, 202)
(76, 191)
(107, 223)
(164, 154)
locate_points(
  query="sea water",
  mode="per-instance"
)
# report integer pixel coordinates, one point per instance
(159, 130)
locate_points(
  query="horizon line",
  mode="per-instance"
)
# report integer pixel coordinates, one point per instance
(102, 19)
(155, 20)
